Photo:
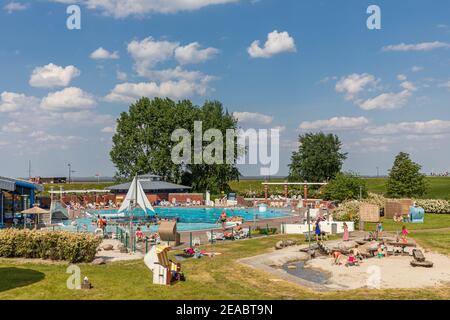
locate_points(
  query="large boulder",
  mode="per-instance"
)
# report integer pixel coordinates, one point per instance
(107, 247)
(98, 261)
(347, 245)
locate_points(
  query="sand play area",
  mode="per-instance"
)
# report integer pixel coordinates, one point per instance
(373, 273)
(392, 272)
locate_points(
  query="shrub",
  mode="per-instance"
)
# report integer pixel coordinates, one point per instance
(434, 206)
(345, 186)
(349, 210)
(53, 245)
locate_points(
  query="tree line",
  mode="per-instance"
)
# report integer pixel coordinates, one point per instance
(143, 144)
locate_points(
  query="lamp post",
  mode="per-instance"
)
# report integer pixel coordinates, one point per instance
(70, 172)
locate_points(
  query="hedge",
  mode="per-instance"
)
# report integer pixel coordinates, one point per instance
(53, 245)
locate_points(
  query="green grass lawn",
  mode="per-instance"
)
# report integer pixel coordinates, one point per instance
(220, 277)
(432, 221)
(439, 187)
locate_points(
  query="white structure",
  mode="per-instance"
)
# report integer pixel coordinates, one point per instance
(158, 262)
(137, 197)
(262, 208)
(325, 226)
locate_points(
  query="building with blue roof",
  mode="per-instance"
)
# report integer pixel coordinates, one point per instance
(15, 196)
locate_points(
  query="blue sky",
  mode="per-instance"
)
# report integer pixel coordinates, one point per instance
(382, 91)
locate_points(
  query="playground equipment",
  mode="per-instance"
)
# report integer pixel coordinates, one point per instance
(416, 214)
(158, 262)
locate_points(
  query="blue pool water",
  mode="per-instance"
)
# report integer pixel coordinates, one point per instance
(189, 219)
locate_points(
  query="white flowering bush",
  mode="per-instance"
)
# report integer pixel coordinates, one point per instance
(349, 210)
(434, 206)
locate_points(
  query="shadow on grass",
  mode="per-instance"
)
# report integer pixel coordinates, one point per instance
(11, 278)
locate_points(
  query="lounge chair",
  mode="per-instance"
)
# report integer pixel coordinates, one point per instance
(244, 233)
(214, 236)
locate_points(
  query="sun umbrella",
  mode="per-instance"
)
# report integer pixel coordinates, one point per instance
(35, 210)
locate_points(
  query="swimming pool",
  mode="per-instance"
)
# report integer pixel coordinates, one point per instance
(189, 219)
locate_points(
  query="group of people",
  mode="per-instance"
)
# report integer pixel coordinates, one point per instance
(141, 237)
(73, 205)
(320, 234)
(354, 258)
(102, 223)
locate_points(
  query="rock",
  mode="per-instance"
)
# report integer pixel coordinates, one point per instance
(107, 247)
(279, 245)
(120, 246)
(345, 246)
(425, 264)
(98, 261)
(290, 242)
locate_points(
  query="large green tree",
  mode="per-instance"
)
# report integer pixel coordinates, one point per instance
(318, 159)
(405, 178)
(143, 142)
(345, 186)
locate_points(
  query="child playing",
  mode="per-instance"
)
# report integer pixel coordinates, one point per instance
(405, 233)
(337, 255)
(381, 252)
(352, 261)
(379, 229)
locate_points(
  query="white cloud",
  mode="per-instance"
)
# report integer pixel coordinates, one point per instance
(424, 46)
(108, 130)
(387, 101)
(15, 6)
(179, 74)
(102, 54)
(44, 137)
(149, 52)
(355, 83)
(51, 75)
(129, 92)
(68, 98)
(12, 102)
(431, 127)
(447, 85)
(126, 8)
(277, 42)
(335, 123)
(407, 85)
(122, 76)
(13, 127)
(416, 68)
(252, 117)
(192, 53)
